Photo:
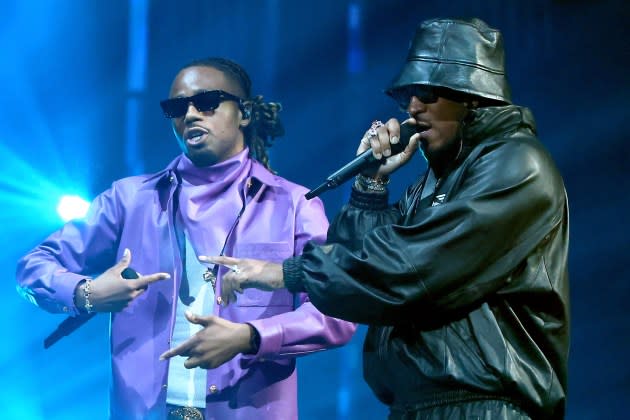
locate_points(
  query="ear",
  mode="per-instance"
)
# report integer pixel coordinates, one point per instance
(246, 113)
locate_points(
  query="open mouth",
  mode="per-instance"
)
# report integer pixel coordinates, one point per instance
(195, 136)
(195, 140)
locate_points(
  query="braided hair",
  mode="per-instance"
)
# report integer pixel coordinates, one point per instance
(265, 124)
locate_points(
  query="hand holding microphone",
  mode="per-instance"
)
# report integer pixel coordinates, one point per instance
(391, 144)
(111, 298)
(383, 149)
(117, 287)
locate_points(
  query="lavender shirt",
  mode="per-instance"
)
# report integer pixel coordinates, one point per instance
(138, 213)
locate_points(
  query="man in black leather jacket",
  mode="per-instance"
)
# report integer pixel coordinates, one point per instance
(464, 281)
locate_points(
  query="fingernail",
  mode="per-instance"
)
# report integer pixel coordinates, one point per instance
(166, 275)
(126, 252)
(394, 140)
(378, 156)
(387, 152)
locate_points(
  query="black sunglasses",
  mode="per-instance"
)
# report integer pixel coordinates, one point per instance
(204, 101)
(403, 95)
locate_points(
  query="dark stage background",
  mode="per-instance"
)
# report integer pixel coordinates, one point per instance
(79, 98)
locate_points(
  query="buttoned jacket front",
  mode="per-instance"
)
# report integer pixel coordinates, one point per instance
(138, 213)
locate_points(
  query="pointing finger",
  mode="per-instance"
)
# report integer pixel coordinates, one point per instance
(181, 350)
(221, 260)
(144, 281)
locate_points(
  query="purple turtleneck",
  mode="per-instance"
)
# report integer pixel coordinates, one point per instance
(211, 199)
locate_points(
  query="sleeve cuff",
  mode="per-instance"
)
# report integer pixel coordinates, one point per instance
(65, 293)
(254, 340)
(369, 200)
(292, 274)
(270, 334)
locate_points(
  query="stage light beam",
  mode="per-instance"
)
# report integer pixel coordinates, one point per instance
(72, 207)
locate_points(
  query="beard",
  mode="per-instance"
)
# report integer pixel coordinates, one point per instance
(440, 159)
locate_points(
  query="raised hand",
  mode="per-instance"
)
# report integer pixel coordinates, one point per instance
(379, 138)
(246, 273)
(110, 292)
(219, 341)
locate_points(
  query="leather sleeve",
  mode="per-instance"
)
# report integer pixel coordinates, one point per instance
(508, 196)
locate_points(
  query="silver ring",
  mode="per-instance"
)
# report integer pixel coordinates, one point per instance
(372, 130)
(234, 268)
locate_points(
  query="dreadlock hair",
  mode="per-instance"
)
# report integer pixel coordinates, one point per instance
(265, 124)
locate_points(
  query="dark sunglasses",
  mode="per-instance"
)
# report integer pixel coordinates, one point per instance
(403, 95)
(204, 101)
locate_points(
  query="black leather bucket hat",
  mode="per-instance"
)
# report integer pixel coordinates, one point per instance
(462, 55)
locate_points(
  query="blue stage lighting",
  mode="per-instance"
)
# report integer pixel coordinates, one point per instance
(72, 207)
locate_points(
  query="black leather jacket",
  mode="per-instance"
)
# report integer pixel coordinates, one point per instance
(467, 295)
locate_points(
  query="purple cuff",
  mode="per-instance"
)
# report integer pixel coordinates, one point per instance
(270, 333)
(65, 286)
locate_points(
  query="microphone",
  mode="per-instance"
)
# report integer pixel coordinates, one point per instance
(70, 324)
(364, 161)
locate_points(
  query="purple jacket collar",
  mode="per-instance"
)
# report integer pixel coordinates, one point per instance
(164, 177)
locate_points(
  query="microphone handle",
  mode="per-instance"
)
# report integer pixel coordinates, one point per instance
(363, 161)
(352, 168)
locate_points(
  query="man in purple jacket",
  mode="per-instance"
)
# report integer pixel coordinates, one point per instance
(169, 325)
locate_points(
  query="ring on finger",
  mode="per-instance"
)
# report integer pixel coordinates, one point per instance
(372, 130)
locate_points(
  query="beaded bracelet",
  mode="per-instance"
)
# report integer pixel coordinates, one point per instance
(374, 185)
(86, 294)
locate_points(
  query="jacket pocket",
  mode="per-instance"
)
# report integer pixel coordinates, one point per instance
(275, 252)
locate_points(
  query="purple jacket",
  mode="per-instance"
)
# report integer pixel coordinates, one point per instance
(138, 213)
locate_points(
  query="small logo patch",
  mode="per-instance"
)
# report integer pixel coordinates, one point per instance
(439, 199)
